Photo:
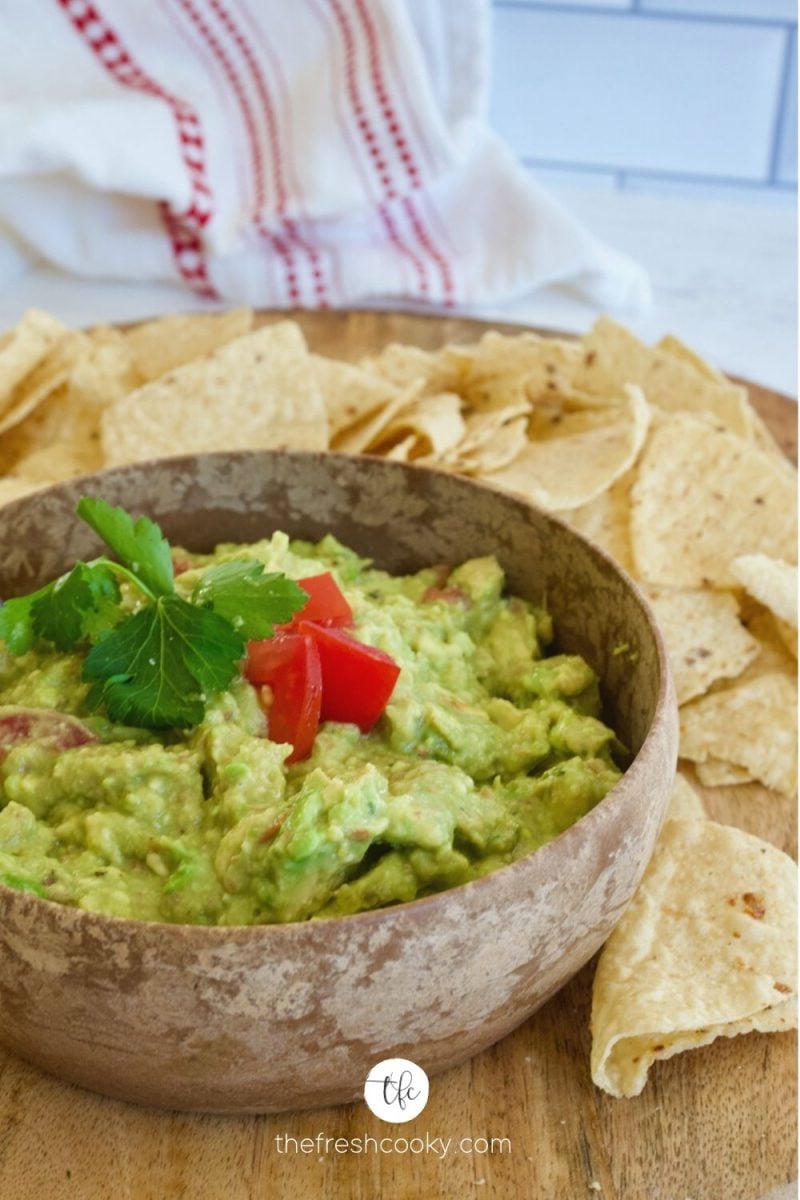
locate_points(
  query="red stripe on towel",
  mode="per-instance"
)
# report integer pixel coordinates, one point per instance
(281, 246)
(183, 228)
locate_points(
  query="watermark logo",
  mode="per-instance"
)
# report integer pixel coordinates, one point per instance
(396, 1090)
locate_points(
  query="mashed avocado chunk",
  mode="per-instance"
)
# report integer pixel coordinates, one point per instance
(489, 747)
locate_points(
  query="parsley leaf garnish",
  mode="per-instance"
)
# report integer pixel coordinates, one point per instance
(253, 600)
(80, 605)
(160, 665)
(156, 666)
(16, 622)
(140, 545)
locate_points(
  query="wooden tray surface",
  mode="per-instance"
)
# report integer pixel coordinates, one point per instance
(713, 1124)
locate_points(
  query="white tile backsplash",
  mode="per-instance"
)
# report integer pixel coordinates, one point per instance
(559, 180)
(787, 148)
(645, 92)
(690, 189)
(615, 4)
(757, 10)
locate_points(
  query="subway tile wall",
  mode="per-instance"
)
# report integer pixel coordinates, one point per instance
(691, 97)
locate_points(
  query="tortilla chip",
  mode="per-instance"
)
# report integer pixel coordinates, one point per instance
(706, 949)
(716, 773)
(567, 470)
(61, 437)
(350, 393)
(788, 635)
(41, 382)
(434, 421)
(157, 347)
(702, 498)
(606, 520)
(479, 457)
(403, 451)
(613, 357)
(685, 804)
(23, 348)
(501, 371)
(104, 371)
(405, 366)
(705, 638)
(257, 392)
(752, 723)
(771, 581)
(12, 487)
(356, 439)
(52, 464)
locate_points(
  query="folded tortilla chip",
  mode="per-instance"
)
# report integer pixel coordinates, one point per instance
(613, 356)
(714, 772)
(771, 581)
(350, 393)
(358, 438)
(491, 454)
(751, 723)
(706, 949)
(703, 497)
(501, 370)
(567, 469)
(23, 348)
(435, 422)
(404, 366)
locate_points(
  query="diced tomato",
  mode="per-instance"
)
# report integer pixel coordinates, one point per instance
(326, 605)
(60, 730)
(451, 594)
(357, 680)
(289, 663)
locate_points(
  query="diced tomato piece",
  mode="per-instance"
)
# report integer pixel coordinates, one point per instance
(325, 605)
(451, 594)
(289, 663)
(60, 730)
(265, 657)
(357, 680)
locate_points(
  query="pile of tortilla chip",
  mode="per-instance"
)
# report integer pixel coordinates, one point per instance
(648, 451)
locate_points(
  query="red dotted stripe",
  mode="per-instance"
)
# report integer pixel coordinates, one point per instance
(276, 157)
(282, 247)
(371, 142)
(403, 151)
(183, 228)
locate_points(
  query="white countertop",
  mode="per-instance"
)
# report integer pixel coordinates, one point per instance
(724, 280)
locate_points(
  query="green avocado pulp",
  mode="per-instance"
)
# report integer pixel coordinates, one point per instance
(488, 748)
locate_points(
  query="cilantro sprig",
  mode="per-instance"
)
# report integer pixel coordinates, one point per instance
(157, 666)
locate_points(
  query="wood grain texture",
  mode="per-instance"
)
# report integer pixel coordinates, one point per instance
(717, 1123)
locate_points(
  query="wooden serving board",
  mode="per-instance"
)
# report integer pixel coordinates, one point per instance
(713, 1124)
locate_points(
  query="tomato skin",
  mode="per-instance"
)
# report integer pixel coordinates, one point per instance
(61, 731)
(357, 680)
(289, 663)
(326, 604)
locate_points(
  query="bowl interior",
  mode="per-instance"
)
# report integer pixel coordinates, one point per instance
(403, 517)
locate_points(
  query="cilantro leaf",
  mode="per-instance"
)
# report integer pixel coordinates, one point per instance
(157, 668)
(80, 605)
(254, 602)
(140, 545)
(16, 622)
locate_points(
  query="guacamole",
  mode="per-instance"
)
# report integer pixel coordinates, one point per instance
(489, 746)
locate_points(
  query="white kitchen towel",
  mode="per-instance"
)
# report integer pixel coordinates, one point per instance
(277, 152)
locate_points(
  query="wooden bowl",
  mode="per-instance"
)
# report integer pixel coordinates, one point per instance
(278, 1017)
